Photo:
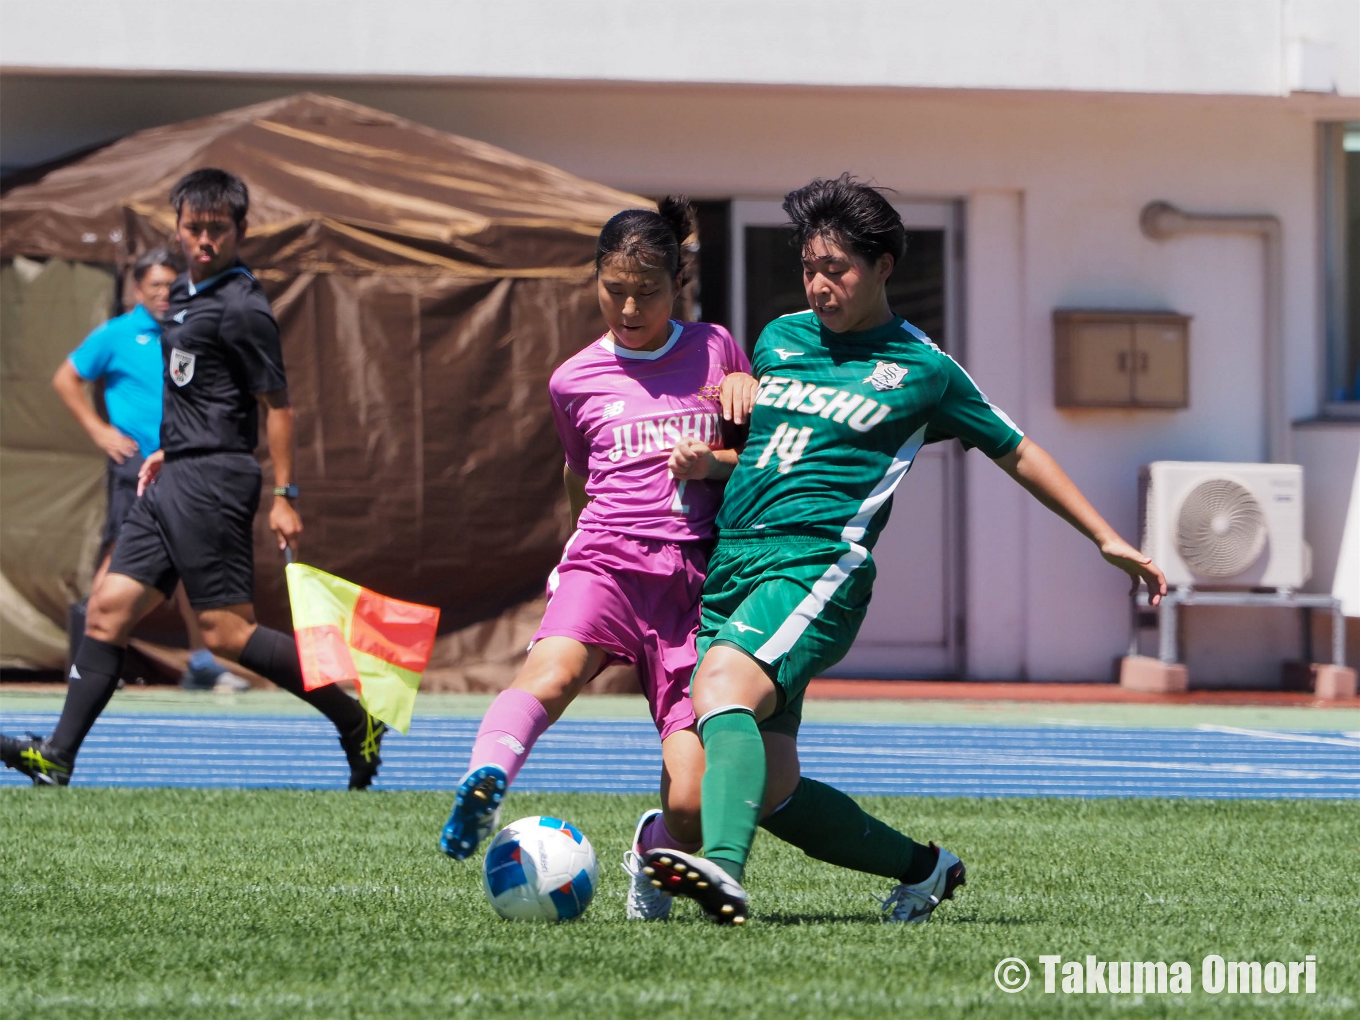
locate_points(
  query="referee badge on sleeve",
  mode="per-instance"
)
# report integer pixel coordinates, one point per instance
(181, 366)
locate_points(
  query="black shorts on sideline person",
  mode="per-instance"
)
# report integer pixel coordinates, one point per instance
(194, 524)
(121, 482)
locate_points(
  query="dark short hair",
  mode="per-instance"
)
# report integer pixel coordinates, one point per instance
(651, 240)
(210, 189)
(853, 214)
(152, 258)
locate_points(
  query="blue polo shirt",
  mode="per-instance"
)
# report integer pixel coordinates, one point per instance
(126, 353)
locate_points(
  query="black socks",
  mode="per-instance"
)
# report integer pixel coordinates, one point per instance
(274, 656)
(93, 679)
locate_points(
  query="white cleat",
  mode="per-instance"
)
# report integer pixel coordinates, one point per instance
(913, 904)
(645, 901)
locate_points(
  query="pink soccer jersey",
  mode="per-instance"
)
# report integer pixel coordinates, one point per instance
(620, 412)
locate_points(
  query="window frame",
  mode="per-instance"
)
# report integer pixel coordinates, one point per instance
(1334, 285)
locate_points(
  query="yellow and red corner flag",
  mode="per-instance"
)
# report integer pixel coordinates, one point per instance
(345, 632)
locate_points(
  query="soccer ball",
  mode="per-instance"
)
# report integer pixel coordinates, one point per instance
(540, 869)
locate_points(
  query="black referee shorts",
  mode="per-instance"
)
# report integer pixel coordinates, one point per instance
(195, 525)
(121, 482)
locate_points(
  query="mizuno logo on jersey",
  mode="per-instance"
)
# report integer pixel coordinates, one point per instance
(786, 355)
(611, 410)
(179, 316)
(886, 376)
(745, 627)
(860, 412)
(659, 435)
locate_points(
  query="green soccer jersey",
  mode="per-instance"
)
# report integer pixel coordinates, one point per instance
(838, 420)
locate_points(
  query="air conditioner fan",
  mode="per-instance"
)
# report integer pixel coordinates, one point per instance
(1221, 528)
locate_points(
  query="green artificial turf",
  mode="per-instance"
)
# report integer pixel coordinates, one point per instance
(243, 904)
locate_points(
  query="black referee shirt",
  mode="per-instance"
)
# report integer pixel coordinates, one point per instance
(221, 348)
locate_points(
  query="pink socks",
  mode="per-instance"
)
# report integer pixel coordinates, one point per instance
(657, 837)
(511, 725)
(515, 720)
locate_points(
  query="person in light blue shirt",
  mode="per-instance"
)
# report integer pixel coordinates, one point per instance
(125, 354)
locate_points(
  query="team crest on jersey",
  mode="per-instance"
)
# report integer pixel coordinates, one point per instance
(886, 376)
(611, 410)
(181, 367)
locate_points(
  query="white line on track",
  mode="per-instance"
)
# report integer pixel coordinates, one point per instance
(1298, 738)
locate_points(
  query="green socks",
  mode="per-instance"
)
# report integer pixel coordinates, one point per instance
(821, 821)
(827, 825)
(733, 788)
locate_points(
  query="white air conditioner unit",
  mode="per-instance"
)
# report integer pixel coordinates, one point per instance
(1225, 525)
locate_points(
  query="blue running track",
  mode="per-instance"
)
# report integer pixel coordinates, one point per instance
(623, 756)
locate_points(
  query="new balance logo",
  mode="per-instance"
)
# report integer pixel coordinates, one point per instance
(745, 627)
(786, 355)
(179, 316)
(511, 743)
(612, 410)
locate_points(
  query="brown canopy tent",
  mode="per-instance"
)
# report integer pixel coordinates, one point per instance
(426, 286)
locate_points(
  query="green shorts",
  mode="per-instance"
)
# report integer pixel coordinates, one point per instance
(793, 603)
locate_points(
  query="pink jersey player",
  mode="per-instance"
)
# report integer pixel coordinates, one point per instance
(620, 412)
(630, 577)
(628, 585)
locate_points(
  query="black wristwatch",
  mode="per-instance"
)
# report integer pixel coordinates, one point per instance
(287, 491)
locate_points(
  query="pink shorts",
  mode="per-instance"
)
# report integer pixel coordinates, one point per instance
(638, 599)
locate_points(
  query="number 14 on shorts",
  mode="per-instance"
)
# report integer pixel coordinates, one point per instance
(786, 445)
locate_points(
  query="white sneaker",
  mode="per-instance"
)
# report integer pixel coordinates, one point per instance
(645, 901)
(231, 683)
(913, 904)
(681, 874)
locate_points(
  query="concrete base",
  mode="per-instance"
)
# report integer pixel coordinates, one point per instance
(1143, 673)
(1328, 683)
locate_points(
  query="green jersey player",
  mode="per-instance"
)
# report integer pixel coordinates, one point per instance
(849, 393)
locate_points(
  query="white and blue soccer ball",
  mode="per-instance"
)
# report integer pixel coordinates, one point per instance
(540, 869)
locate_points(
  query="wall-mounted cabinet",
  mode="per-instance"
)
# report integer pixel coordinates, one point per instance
(1121, 359)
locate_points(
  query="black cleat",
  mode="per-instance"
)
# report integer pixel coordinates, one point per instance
(361, 748)
(681, 874)
(36, 760)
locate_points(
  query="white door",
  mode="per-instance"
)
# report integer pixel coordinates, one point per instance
(913, 625)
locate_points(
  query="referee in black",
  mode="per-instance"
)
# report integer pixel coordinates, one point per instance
(199, 493)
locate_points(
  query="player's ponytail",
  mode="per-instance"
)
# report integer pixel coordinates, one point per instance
(650, 240)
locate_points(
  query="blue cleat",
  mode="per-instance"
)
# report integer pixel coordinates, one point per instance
(476, 810)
